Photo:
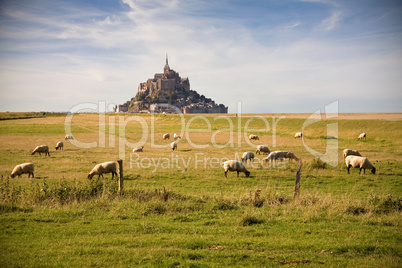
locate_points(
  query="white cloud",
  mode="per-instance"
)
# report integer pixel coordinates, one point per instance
(98, 55)
(332, 22)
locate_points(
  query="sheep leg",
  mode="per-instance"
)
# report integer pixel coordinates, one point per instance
(349, 169)
(360, 172)
(226, 174)
(238, 173)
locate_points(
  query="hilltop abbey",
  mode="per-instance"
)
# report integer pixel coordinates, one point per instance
(169, 88)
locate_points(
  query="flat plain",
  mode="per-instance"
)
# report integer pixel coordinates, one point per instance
(178, 210)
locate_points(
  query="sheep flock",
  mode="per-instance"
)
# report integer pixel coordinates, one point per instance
(352, 158)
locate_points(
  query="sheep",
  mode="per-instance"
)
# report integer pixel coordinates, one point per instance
(166, 136)
(103, 168)
(298, 135)
(233, 165)
(41, 149)
(59, 145)
(173, 145)
(280, 155)
(359, 162)
(247, 156)
(68, 137)
(253, 137)
(175, 136)
(347, 152)
(361, 136)
(138, 149)
(23, 169)
(262, 148)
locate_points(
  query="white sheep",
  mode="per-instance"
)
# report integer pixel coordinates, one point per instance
(253, 137)
(138, 149)
(103, 168)
(175, 136)
(280, 155)
(359, 162)
(262, 148)
(41, 149)
(361, 136)
(166, 136)
(233, 165)
(347, 152)
(68, 137)
(173, 145)
(23, 169)
(59, 145)
(247, 156)
(298, 135)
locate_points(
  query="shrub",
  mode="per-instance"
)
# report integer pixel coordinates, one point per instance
(318, 164)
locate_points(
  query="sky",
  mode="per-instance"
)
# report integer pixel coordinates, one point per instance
(265, 56)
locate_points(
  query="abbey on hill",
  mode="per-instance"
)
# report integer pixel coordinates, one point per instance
(169, 88)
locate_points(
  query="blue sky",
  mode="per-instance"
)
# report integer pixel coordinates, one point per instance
(273, 56)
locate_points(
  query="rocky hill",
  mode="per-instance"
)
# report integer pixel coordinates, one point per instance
(169, 88)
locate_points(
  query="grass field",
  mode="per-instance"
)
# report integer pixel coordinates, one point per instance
(178, 210)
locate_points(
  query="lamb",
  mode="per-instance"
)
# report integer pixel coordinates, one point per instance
(361, 136)
(359, 162)
(173, 145)
(166, 136)
(175, 136)
(41, 149)
(59, 145)
(262, 148)
(138, 149)
(103, 168)
(23, 169)
(233, 165)
(253, 137)
(68, 137)
(298, 135)
(247, 156)
(347, 152)
(280, 155)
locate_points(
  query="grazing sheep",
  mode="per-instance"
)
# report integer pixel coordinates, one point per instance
(361, 136)
(138, 149)
(298, 135)
(103, 168)
(253, 137)
(347, 152)
(175, 136)
(233, 165)
(59, 145)
(68, 137)
(262, 148)
(247, 156)
(23, 169)
(41, 149)
(359, 162)
(166, 136)
(280, 155)
(173, 145)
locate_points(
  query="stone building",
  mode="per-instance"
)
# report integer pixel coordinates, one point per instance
(169, 88)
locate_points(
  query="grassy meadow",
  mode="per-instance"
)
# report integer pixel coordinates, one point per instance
(177, 208)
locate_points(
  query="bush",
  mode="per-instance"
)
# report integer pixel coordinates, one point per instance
(318, 164)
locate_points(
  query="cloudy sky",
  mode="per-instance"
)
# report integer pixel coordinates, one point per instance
(272, 55)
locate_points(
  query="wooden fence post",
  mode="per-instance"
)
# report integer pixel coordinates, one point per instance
(120, 161)
(297, 182)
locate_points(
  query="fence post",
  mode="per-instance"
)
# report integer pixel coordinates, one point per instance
(297, 182)
(120, 161)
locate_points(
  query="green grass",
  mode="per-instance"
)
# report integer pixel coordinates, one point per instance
(171, 217)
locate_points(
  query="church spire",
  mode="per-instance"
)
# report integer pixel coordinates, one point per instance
(166, 68)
